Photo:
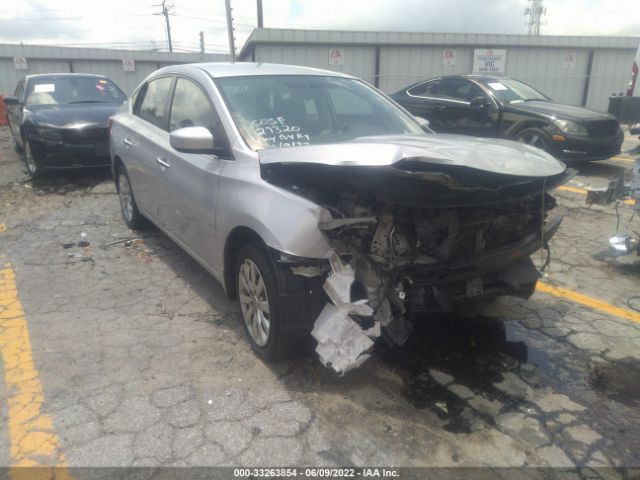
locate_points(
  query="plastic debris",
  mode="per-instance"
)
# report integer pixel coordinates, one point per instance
(341, 342)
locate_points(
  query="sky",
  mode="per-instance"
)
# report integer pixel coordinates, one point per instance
(136, 23)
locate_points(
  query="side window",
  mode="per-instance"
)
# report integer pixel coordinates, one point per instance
(191, 107)
(426, 89)
(151, 107)
(460, 89)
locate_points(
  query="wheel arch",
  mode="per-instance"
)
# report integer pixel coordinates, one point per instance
(236, 239)
(515, 129)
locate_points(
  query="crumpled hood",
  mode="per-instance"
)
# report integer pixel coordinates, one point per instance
(488, 154)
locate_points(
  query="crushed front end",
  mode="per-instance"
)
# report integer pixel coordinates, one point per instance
(413, 238)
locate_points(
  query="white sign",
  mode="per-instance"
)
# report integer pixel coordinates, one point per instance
(128, 65)
(449, 57)
(569, 60)
(336, 56)
(44, 88)
(20, 63)
(489, 60)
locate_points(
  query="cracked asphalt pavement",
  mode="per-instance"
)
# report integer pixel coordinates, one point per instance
(142, 361)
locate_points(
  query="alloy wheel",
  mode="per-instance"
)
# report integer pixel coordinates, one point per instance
(254, 302)
(126, 198)
(533, 139)
(28, 156)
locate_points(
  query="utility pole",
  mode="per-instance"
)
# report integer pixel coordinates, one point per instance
(232, 46)
(535, 11)
(166, 11)
(260, 19)
(201, 42)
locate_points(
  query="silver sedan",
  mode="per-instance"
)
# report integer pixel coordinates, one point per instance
(325, 207)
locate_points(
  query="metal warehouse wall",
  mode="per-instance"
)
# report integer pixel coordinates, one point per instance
(43, 59)
(394, 60)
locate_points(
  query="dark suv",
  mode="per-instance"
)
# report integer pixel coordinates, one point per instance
(491, 106)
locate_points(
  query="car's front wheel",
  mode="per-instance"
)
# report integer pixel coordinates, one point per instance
(258, 298)
(33, 166)
(130, 213)
(534, 137)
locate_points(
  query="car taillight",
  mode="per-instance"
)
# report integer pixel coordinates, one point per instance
(109, 123)
(634, 77)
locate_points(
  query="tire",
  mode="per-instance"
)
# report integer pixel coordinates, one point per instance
(34, 170)
(534, 137)
(128, 207)
(259, 303)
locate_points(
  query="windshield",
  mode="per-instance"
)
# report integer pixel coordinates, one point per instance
(67, 89)
(513, 91)
(291, 110)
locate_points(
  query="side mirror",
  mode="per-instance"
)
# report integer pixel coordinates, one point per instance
(423, 122)
(10, 101)
(479, 102)
(192, 140)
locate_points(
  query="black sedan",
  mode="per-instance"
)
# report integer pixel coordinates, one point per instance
(491, 106)
(60, 121)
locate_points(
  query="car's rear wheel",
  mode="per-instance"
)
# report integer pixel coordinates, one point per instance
(33, 166)
(130, 213)
(534, 137)
(259, 303)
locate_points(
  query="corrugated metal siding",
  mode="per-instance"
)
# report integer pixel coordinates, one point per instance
(45, 59)
(406, 58)
(112, 69)
(402, 66)
(358, 61)
(610, 74)
(542, 68)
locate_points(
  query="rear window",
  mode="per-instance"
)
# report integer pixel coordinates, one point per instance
(64, 90)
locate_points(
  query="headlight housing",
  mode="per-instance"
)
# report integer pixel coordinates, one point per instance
(570, 128)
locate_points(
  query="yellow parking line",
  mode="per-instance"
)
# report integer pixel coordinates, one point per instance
(34, 442)
(582, 191)
(624, 159)
(588, 301)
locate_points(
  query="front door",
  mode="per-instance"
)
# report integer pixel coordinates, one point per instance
(464, 108)
(190, 197)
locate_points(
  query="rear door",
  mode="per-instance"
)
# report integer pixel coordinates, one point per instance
(144, 141)
(189, 195)
(421, 101)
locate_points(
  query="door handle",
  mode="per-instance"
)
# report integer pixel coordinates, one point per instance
(127, 142)
(163, 162)
(440, 107)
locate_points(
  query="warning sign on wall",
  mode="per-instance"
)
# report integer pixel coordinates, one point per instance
(20, 63)
(489, 60)
(336, 56)
(569, 60)
(448, 57)
(128, 65)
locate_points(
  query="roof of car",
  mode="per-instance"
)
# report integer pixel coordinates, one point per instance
(38, 75)
(242, 69)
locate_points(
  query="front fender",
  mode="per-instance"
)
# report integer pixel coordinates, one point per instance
(285, 221)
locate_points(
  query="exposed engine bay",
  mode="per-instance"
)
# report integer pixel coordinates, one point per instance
(408, 240)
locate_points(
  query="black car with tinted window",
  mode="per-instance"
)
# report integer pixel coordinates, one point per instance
(493, 106)
(60, 121)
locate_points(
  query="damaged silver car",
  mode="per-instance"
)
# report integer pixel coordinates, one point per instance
(324, 207)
